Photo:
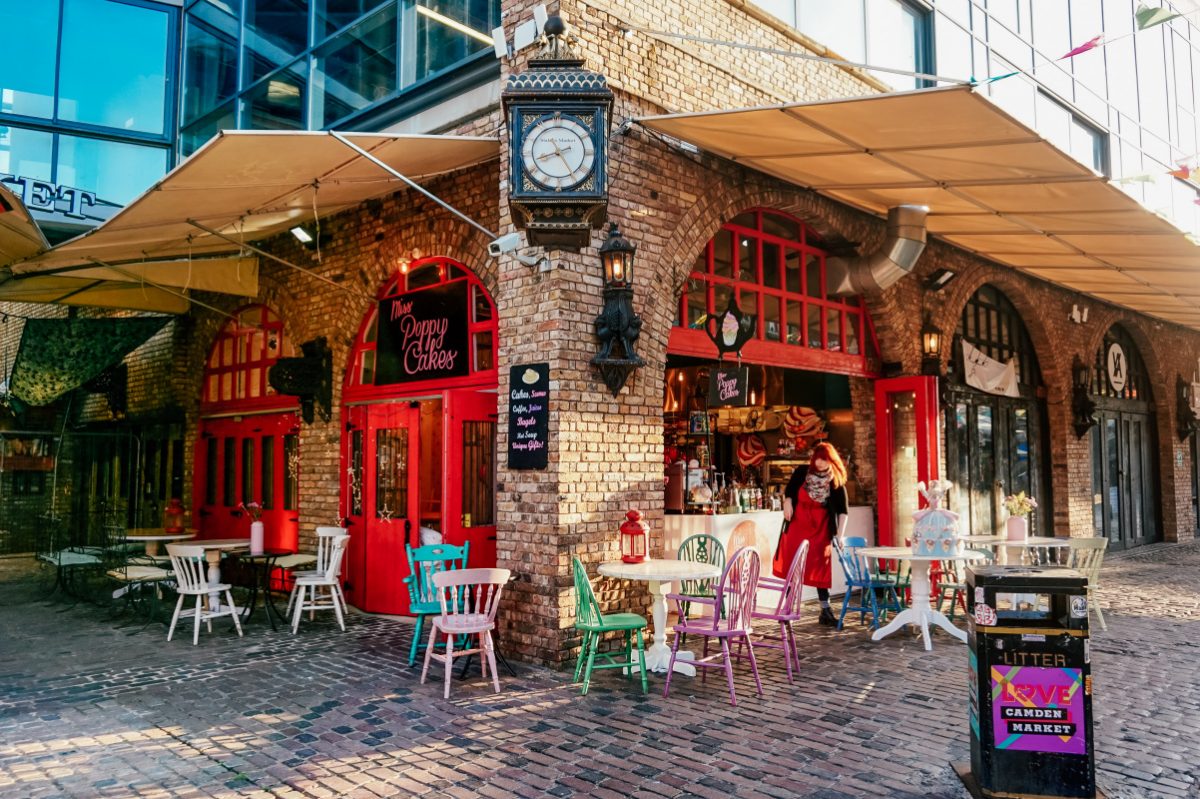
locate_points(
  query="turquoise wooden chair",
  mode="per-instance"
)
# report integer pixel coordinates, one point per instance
(593, 624)
(423, 563)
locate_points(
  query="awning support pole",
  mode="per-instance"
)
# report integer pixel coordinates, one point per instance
(414, 185)
(140, 279)
(284, 261)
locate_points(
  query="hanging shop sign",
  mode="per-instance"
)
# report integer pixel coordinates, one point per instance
(528, 416)
(988, 374)
(423, 335)
(730, 330)
(1116, 366)
(728, 386)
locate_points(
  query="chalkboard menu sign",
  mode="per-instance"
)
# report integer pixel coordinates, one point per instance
(728, 386)
(423, 335)
(528, 416)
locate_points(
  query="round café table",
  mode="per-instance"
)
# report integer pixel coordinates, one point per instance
(1026, 548)
(918, 613)
(659, 573)
(151, 537)
(214, 548)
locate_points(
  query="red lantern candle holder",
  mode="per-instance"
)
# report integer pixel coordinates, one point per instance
(634, 537)
(173, 516)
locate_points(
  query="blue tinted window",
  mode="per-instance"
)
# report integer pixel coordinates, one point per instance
(356, 68)
(196, 134)
(449, 31)
(26, 74)
(113, 65)
(333, 15)
(114, 171)
(210, 61)
(276, 31)
(278, 101)
(26, 152)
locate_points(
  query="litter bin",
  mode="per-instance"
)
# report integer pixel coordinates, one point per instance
(1031, 684)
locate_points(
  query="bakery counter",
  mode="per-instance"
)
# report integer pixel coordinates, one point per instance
(760, 529)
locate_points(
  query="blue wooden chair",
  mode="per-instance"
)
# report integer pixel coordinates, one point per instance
(423, 563)
(859, 575)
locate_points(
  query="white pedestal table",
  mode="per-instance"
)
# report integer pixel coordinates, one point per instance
(659, 573)
(214, 548)
(918, 613)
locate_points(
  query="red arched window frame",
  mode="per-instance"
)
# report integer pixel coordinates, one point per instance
(774, 265)
(481, 327)
(235, 375)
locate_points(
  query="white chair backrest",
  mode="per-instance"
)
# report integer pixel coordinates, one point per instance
(337, 548)
(471, 591)
(191, 570)
(325, 536)
(1087, 554)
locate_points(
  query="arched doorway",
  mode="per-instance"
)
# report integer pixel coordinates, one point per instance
(419, 451)
(248, 449)
(1124, 448)
(995, 428)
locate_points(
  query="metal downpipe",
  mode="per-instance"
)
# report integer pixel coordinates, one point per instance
(871, 274)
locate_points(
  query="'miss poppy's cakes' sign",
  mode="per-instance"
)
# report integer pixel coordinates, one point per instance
(423, 335)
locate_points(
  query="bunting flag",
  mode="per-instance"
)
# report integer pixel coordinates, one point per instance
(1149, 17)
(1090, 44)
(1144, 178)
(1184, 172)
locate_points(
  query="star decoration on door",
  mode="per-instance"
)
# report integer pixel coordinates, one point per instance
(385, 514)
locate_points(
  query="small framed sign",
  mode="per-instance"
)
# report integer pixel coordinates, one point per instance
(528, 416)
(728, 386)
(698, 423)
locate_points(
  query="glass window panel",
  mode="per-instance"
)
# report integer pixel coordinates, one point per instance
(240, 389)
(1015, 96)
(791, 271)
(1152, 79)
(448, 31)
(483, 306)
(211, 460)
(722, 257)
(368, 367)
(391, 474)
(27, 69)
(229, 498)
(479, 473)
(795, 311)
(372, 328)
(953, 49)
(226, 386)
(770, 264)
(255, 382)
(838, 26)
(276, 30)
(833, 330)
(116, 172)
(892, 37)
(209, 69)
(721, 295)
(812, 277)
(697, 303)
(291, 471)
(983, 448)
(427, 275)
(357, 68)
(210, 395)
(815, 337)
(194, 136)
(781, 226)
(1097, 482)
(483, 351)
(771, 317)
(747, 255)
(268, 472)
(25, 152)
(278, 102)
(1112, 484)
(115, 86)
(357, 455)
(784, 9)
(851, 331)
(333, 15)
(248, 470)
(748, 302)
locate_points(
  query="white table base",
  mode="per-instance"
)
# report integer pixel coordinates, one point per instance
(658, 655)
(213, 557)
(919, 613)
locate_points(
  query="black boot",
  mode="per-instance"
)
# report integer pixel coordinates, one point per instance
(827, 618)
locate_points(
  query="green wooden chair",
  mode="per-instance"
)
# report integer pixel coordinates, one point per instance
(423, 563)
(700, 548)
(593, 624)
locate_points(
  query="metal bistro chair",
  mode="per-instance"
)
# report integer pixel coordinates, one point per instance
(593, 624)
(859, 574)
(1087, 554)
(191, 579)
(423, 601)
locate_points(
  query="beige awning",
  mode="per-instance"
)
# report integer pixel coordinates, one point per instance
(993, 186)
(247, 185)
(20, 237)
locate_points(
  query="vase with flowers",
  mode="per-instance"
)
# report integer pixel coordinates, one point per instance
(1019, 506)
(255, 511)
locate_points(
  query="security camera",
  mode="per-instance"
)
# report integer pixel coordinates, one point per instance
(504, 244)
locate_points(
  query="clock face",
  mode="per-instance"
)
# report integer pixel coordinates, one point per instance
(558, 153)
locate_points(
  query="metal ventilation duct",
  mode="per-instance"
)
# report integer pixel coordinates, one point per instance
(871, 274)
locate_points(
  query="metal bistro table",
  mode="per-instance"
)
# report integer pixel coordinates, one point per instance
(214, 548)
(919, 613)
(151, 537)
(261, 567)
(659, 573)
(1036, 549)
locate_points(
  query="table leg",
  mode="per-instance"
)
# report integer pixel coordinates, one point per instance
(151, 548)
(213, 556)
(919, 613)
(658, 655)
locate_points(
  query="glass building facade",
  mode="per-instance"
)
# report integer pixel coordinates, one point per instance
(320, 64)
(86, 127)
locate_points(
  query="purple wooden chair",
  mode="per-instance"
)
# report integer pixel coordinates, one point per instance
(787, 609)
(735, 595)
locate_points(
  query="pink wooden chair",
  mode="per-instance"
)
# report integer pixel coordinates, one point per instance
(469, 599)
(735, 594)
(787, 609)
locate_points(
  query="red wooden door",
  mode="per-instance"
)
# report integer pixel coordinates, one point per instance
(906, 449)
(470, 474)
(248, 459)
(385, 477)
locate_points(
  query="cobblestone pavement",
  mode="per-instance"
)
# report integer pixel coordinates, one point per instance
(87, 710)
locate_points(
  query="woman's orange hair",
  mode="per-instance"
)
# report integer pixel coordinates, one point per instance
(826, 452)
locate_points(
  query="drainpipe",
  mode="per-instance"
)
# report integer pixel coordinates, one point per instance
(871, 274)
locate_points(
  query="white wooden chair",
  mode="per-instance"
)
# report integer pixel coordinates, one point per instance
(1087, 554)
(307, 583)
(469, 599)
(319, 562)
(191, 579)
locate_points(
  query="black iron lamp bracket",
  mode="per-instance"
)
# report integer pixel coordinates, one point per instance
(309, 377)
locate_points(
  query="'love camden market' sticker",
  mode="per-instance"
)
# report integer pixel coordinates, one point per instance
(1037, 709)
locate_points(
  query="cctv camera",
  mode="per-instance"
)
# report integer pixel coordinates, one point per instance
(506, 243)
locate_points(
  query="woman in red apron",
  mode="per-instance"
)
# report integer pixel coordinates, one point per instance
(816, 508)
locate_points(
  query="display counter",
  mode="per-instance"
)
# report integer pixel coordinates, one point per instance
(761, 529)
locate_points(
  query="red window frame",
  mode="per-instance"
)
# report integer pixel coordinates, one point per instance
(427, 273)
(805, 345)
(235, 372)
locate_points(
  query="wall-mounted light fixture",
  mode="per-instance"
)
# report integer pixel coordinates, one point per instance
(1078, 315)
(1186, 422)
(938, 279)
(1083, 407)
(617, 326)
(931, 348)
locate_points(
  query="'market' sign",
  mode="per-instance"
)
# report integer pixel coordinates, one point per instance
(423, 335)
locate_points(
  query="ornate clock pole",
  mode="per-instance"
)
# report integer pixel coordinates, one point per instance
(558, 116)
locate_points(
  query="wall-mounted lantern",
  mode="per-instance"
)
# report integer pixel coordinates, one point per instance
(1083, 407)
(617, 326)
(931, 348)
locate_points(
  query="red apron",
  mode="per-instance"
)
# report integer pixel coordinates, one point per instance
(810, 522)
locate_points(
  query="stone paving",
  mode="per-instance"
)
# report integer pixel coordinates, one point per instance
(88, 710)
